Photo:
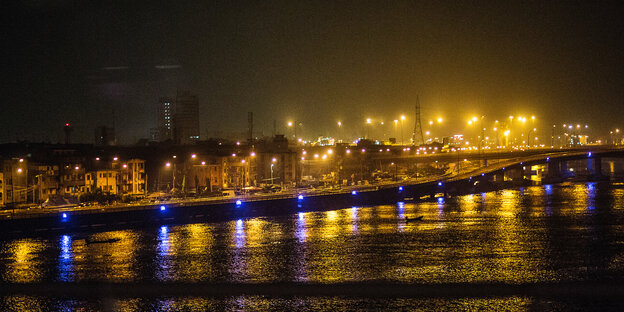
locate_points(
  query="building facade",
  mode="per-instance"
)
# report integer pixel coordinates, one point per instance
(14, 181)
(178, 119)
(45, 182)
(104, 136)
(165, 118)
(72, 180)
(133, 178)
(186, 118)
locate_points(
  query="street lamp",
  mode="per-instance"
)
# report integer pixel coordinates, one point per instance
(529, 136)
(273, 161)
(168, 165)
(506, 134)
(402, 121)
(396, 126)
(294, 124)
(340, 131)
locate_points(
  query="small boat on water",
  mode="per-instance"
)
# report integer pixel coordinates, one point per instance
(419, 218)
(104, 241)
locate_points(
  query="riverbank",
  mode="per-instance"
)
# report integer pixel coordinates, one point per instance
(43, 222)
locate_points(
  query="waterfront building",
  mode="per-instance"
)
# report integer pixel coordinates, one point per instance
(206, 174)
(45, 182)
(14, 186)
(105, 180)
(238, 172)
(73, 179)
(276, 163)
(133, 179)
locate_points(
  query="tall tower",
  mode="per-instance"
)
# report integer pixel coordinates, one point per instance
(68, 130)
(418, 133)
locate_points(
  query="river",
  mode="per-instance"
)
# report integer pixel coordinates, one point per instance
(530, 235)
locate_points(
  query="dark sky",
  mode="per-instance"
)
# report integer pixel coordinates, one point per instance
(314, 61)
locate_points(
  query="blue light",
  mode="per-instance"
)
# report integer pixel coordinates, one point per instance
(440, 200)
(400, 188)
(239, 202)
(300, 197)
(439, 183)
(64, 215)
(547, 158)
(483, 174)
(162, 208)
(353, 192)
(163, 229)
(589, 154)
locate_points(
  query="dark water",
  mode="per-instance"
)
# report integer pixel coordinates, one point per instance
(529, 235)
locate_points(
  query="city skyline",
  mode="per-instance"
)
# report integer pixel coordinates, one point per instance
(312, 155)
(286, 61)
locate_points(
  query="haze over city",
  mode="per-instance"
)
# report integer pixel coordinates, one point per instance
(289, 155)
(314, 62)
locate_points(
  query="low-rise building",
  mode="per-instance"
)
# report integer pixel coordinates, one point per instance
(72, 180)
(276, 163)
(206, 174)
(14, 181)
(105, 180)
(133, 179)
(45, 181)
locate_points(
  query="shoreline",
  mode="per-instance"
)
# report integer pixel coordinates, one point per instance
(187, 212)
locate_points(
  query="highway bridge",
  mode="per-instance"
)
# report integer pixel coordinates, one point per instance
(517, 170)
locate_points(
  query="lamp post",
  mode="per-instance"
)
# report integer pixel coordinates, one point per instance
(402, 120)
(529, 136)
(474, 121)
(294, 126)
(169, 165)
(396, 171)
(508, 132)
(340, 130)
(273, 161)
(396, 126)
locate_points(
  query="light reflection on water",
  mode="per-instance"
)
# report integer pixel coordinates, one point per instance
(260, 303)
(542, 233)
(65, 259)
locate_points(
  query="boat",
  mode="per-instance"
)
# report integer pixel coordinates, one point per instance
(419, 218)
(104, 241)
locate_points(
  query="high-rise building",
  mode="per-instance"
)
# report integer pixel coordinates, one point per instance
(179, 120)
(186, 118)
(104, 136)
(165, 118)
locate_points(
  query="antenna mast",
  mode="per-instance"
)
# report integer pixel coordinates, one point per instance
(418, 133)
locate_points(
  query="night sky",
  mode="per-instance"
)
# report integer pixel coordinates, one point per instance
(314, 61)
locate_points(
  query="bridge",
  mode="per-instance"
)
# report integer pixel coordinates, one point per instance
(517, 170)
